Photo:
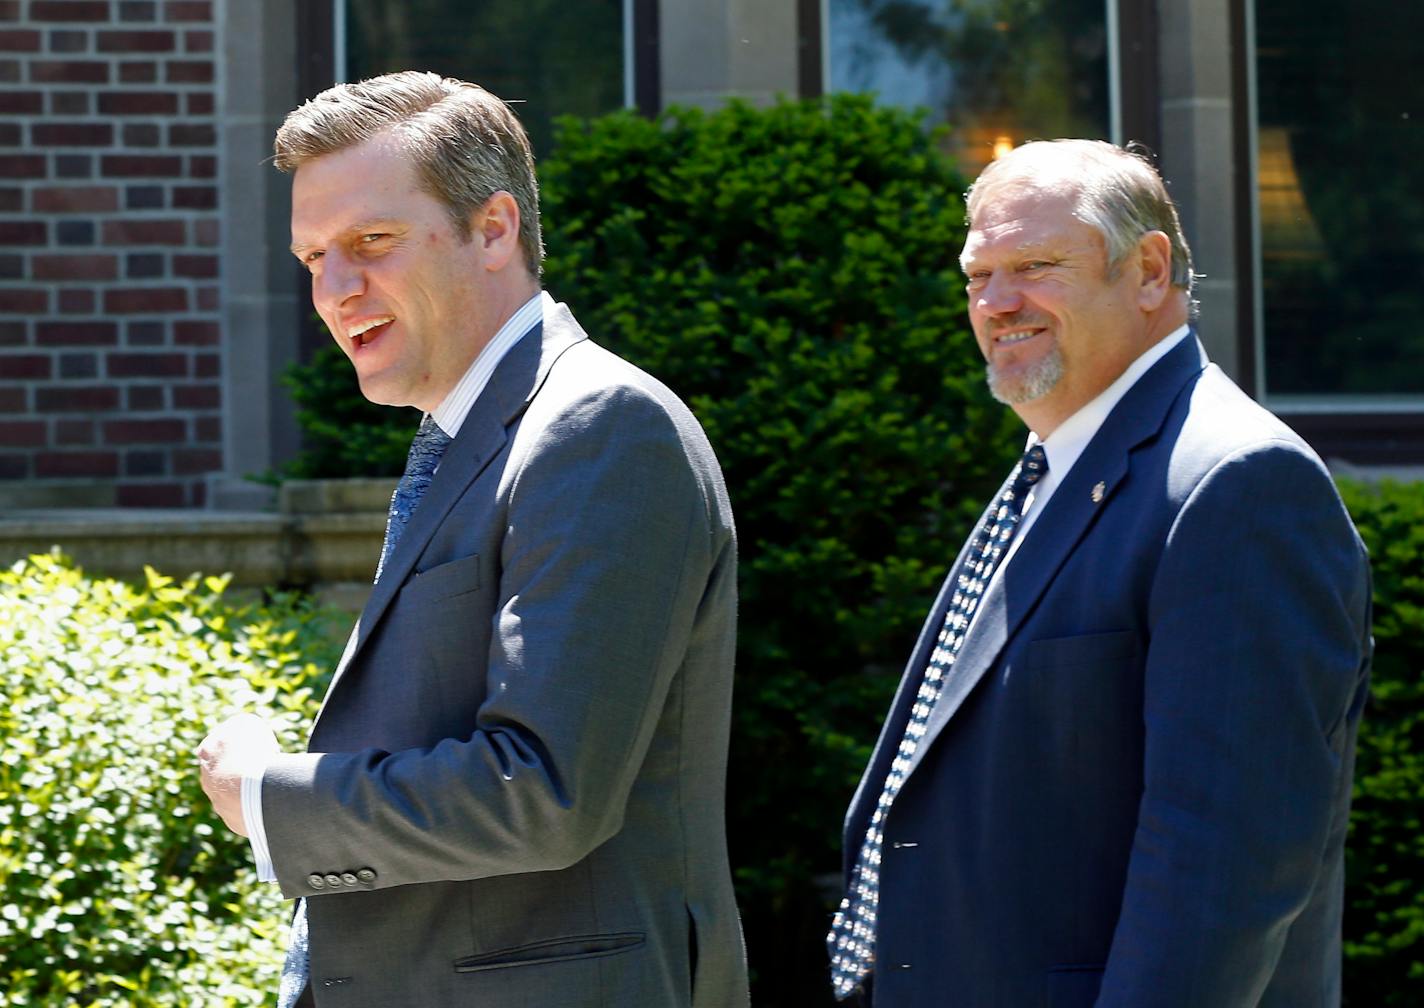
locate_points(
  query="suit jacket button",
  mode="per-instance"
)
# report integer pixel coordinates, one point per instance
(366, 875)
(316, 881)
(333, 880)
(347, 878)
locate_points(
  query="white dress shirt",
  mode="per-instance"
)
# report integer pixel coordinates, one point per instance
(450, 416)
(1064, 446)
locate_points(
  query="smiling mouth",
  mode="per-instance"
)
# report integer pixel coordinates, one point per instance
(365, 332)
(1012, 338)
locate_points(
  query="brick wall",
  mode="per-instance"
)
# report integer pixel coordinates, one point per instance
(110, 385)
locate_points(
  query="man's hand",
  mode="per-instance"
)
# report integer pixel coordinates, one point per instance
(240, 744)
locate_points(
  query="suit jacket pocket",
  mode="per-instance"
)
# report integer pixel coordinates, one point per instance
(1074, 986)
(1112, 649)
(457, 577)
(553, 950)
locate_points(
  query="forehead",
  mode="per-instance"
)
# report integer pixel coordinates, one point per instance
(374, 180)
(1020, 218)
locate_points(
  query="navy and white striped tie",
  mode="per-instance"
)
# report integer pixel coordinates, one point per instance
(852, 937)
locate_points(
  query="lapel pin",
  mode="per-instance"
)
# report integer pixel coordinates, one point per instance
(1099, 489)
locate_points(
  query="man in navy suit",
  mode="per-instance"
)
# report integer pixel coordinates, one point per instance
(1129, 786)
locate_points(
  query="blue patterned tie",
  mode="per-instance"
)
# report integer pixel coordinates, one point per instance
(852, 937)
(426, 449)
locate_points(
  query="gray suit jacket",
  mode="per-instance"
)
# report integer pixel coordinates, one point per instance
(515, 790)
(1133, 791)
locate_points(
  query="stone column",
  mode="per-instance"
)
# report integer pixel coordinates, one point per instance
(712, 50)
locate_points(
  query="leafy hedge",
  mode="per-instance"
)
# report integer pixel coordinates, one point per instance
(1384, 911)
(118, 885)
(791, 272)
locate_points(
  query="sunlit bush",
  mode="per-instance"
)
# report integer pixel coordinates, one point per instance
(118, 885)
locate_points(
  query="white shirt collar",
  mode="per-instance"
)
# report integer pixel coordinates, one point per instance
(453, 409)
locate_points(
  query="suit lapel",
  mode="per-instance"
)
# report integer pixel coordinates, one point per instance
(1065, 520)
(482, 437)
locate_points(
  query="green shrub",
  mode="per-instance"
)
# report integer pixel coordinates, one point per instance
(118, 884)
(792, 273)
(1384, 910)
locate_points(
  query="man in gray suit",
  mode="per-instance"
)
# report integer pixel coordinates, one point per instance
(514, 791)
(1118, 768)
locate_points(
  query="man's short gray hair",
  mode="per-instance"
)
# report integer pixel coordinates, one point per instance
(466, 143)
(1118, 192)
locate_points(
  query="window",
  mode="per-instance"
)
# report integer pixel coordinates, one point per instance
(998, 72)
(546, 57)
(1340, 170)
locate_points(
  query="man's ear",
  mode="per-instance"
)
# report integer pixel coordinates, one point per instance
(1154, 255)
(495, 225)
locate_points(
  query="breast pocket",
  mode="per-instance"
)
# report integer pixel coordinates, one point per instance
(1106, 652)
(446, 580)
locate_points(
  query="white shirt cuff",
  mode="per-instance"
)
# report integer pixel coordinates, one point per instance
(256, 831)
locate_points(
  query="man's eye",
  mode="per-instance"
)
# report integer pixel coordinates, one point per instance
(1034, 264)
(373, 237)
(310, 259)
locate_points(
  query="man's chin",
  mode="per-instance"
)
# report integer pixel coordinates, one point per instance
(1026, 384)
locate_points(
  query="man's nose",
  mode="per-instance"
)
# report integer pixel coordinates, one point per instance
(338, 280)
(999, 296)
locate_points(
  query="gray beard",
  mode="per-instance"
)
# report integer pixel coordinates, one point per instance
(1035, 382)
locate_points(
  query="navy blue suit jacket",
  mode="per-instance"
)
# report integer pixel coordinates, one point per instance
(1134, 789)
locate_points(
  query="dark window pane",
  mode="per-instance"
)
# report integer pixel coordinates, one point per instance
(1341, 186)
(997, 71)
(547, 57)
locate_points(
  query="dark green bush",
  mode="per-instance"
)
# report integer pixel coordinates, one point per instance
(792, 273)
(118, 885)
(1384, 910)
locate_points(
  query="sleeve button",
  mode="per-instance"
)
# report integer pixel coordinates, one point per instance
(316, 881)
(333, 880)
(348, 879)
(366, 875)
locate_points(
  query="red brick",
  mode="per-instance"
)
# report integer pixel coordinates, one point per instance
(9, 10)
(14, 466)
(209, 299)
(76, 301)
(69, 72)
(76, 398)
(69, 103)
(21, 300)
(22, 166)
(140, 165)
(200, 103)
(188, 10)
(192, 135)
(150, 495)
(198, 41)
(26, 366)
(128, 432)
(20, 40)
(155, 365)
(207, 429)
(197, 397)
(146, 398)
(202, 166)
(22, 232)
(12, 199)
(15, 400)
(136, 41)
(145, 300)
(205, 233)
(138, 103)
(187, 333)
(75, 267)
(21, 102)
(143, 232)
(74, 199)
(195, 197)
(74, 432)
(138, 73)
(189, 72)
(77, 464)
(189, 461)
(23, 433)
(71, 134)
(92, 333)
(69, 10)
(207, 366)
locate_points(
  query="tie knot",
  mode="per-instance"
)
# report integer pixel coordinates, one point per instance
(1033, 465)
(426, 448)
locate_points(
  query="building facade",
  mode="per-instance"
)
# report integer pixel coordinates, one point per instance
(150, 306)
